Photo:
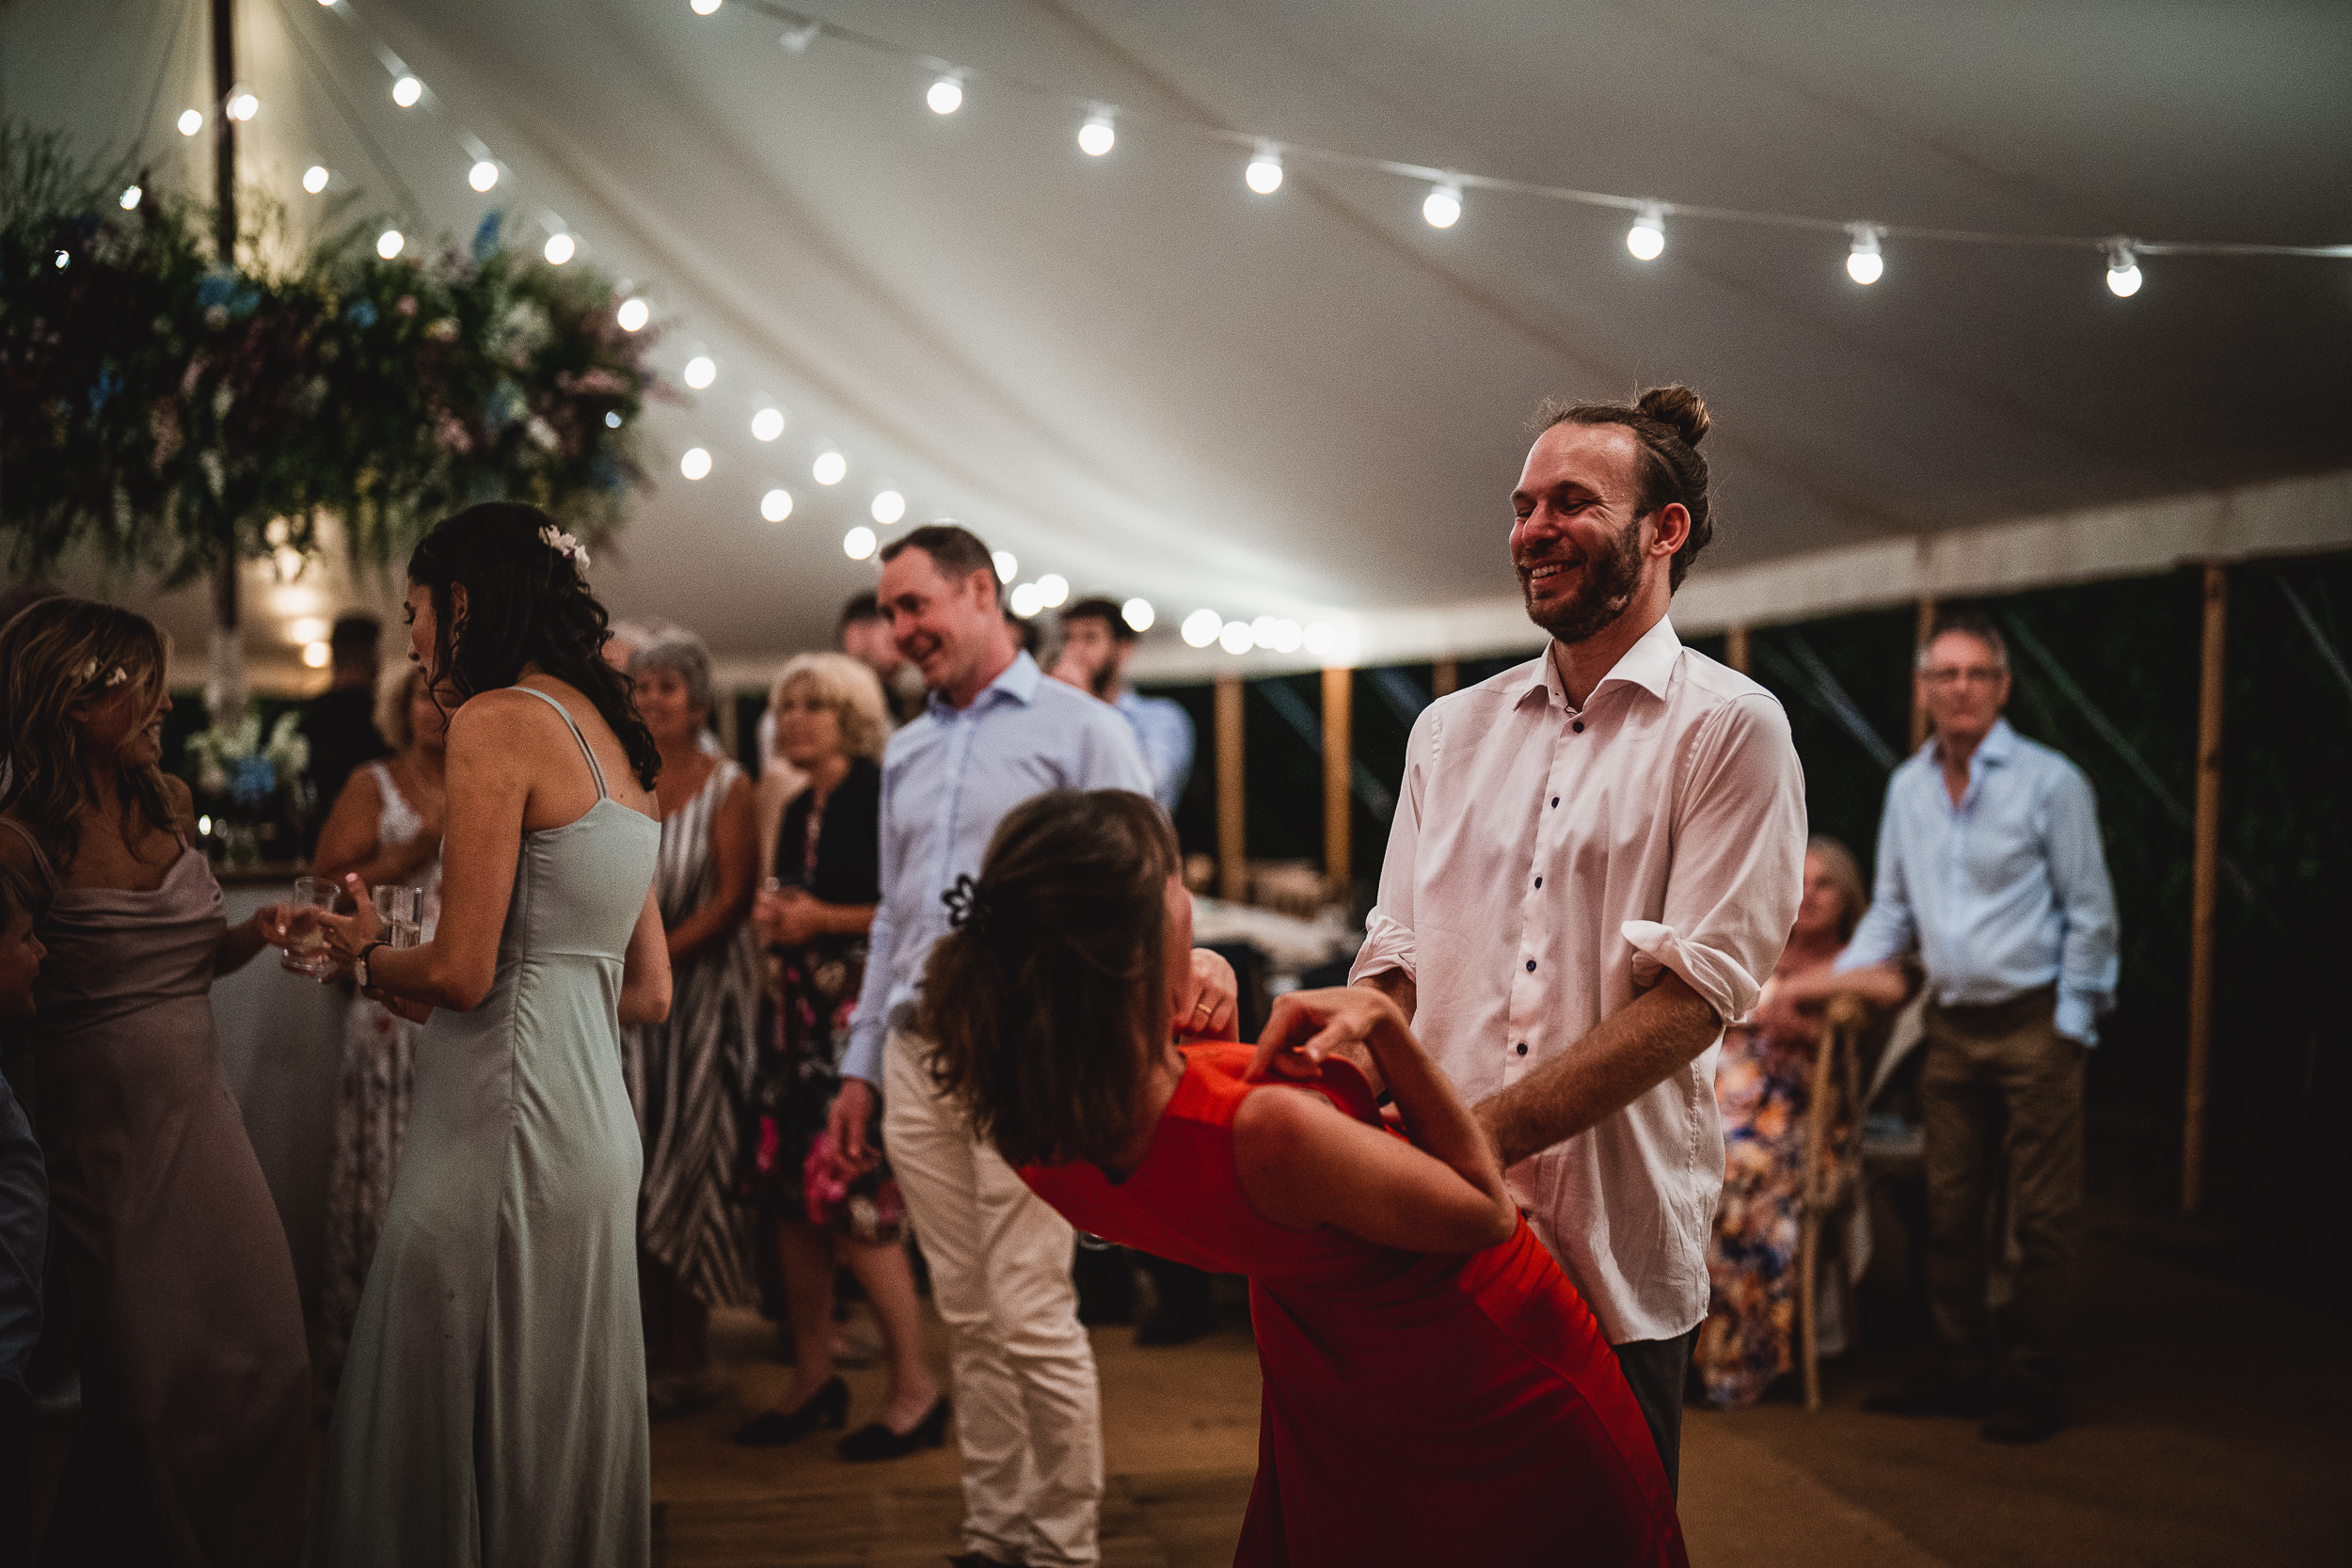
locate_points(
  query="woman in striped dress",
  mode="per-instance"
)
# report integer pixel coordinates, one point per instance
(686, 1075)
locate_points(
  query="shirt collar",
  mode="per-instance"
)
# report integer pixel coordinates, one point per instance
(1998, 745)
(1649, 664)
(1018, 684)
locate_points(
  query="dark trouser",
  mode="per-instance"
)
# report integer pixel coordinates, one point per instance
(1656, 1369)
(16, 1475)
(2001, 1092)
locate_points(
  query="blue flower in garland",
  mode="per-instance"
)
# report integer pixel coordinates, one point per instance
(485, 234)
(505, 406)
(361, 314)
(251, 779)
(237, 297)
(103, 390)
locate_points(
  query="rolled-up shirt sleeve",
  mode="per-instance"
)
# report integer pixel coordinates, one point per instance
(1738, 862)
(1887, 929)
(1388, 927)
(2085, 903)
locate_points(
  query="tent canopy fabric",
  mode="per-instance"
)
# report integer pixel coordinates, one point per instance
(1133, 372)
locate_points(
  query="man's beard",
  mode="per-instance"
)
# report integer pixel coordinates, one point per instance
(1610, 580)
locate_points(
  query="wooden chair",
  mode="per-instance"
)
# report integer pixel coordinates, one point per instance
(1833, 1177)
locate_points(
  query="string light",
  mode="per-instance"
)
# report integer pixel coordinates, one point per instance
(483, 175)
(1051, 590)
(191, 121)
(130, 197)
(1647, 238)
(858, 543)
(1201, 628)
(1320, 638)
(2122, 269)
(831, 467)
(1265, 173)
(1138, 614)
(633, 315)
(407, 91)
(559, 249)
(889, 507)
(695, 463)
(1097, 136)
(701, 370)
(1235, 638)
(612, 419)
(945, 97)
(244, 106)
(309, 628)
(704, 7)
(318, 655)
(314, 179)
(776, 505)
(1024, 600)
(1863, 263)
(767, 424)
(1008, 566)
(1442, 206)
(388, 244)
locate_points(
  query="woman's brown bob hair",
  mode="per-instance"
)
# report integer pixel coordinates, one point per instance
(1040, 1005)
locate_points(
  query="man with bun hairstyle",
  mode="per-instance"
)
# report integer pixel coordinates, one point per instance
(1595, 862)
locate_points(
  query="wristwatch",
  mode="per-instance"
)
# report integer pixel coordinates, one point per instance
(359, 970)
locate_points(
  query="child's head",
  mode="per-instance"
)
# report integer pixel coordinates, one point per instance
(20, 950)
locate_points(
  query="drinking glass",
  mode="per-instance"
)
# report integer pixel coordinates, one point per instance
(397, 908)
(306, 939)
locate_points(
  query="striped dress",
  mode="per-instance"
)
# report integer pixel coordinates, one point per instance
(686, 1075)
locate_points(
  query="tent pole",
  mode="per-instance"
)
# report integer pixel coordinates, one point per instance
(1445, 677)
(1919, 645)
(1338, 756)
(1232, 870)
(1736, 648)
(225, 697)
(2207, 865)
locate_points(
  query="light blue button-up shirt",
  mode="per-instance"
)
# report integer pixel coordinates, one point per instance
(2002, 894)
(1164, 730)
(948, 780)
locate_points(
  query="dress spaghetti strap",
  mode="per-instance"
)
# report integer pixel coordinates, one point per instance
(593, 767)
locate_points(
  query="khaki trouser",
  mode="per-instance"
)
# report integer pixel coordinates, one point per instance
(2001, 1092)
(1028, 1410)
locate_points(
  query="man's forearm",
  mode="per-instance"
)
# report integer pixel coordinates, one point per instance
(1623, 1056)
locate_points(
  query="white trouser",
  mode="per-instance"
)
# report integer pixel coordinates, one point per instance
(1029, 1409)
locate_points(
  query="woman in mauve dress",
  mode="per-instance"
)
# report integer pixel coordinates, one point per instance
(194, 1442)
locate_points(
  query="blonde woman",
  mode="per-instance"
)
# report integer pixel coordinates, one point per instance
(826, 879)
(386, 829)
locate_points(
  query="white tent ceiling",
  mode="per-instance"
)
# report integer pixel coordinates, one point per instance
(1133, 372)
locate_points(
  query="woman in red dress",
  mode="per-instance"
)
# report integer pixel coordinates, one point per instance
(1435, 1389)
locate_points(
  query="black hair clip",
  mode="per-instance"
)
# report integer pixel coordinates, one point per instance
(967, 906)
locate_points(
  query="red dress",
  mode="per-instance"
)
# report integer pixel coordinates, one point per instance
(1419, 1407)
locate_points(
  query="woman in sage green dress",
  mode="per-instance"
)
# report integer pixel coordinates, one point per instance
(492, 1409)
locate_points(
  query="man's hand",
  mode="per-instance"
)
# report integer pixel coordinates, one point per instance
(1210, 1006)
(852, 1108)
(789, 918)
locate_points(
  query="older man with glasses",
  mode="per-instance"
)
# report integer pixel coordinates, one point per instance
(1990, 871)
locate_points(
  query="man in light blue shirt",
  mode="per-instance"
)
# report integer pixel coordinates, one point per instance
(1990, 873)
(995, 733)
(1097, 641)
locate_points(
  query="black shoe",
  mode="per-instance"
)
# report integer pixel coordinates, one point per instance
(2027, 1410)
(877, 1441)
(979, 1559)
(1937, 1393)
(828, 1406)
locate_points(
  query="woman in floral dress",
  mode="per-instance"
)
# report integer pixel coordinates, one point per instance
(831, 723)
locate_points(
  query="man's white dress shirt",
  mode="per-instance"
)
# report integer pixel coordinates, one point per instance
(1544, 865)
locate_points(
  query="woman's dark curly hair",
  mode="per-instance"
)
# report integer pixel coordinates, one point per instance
(526, 603)
(1039, 1005)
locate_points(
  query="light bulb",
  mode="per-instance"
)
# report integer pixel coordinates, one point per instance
(1008, 565)
(1320, 638)
(1863, 263)
(831, 467)
(858, 543)
(704, 7)
(483, 175)
(1201, 626)
(1096, 137)
(695, 463)
(1051, 590)
(945, 97)
(1138, 614)
(309, 628)
(318, 655)
(1287, 636)
(1262, 631)
(1235, 638)
(1442, 206)
(1647, 238)
(767, 424)
(776, 505)
(130, 197)
(190, 123)
(407, 91)
(2122, 269)
(244, 106)
(612, 419)
(1024, 600)
(701, 370)
(1265, 173)
(559, 249)
(63, 260)
(889, 507)
(633, 315)
(388, 244)
(314, 179)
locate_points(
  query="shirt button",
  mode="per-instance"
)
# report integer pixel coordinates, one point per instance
(1577, 726)
(1521, 1048)
(1555, 800)
(1539, 882)
(1530, 966)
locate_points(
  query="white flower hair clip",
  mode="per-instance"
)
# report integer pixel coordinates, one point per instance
(115, 676)
(566, 546)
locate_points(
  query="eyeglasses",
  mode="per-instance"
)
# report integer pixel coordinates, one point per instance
(1974, 675)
